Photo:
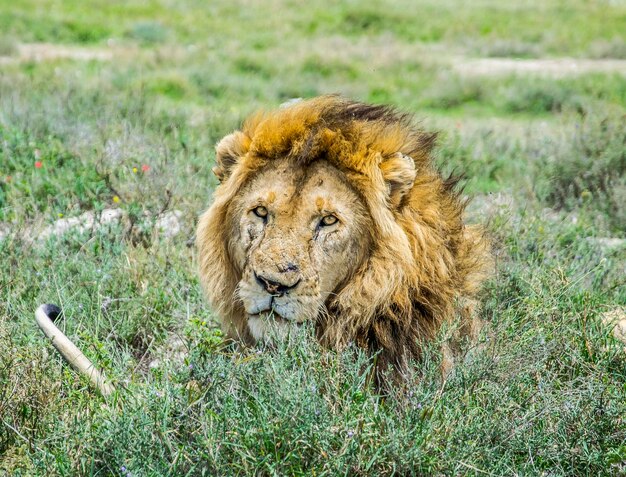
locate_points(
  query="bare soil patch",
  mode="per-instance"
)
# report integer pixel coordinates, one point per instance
(556, 68)
(39, 52)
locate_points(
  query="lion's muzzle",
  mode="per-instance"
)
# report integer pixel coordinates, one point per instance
(272, 293)
(272, 301)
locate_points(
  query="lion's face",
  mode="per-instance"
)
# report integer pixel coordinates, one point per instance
(298, 235)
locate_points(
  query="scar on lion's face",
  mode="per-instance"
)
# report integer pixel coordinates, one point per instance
(290, 224)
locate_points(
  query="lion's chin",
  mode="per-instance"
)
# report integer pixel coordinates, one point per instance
(268, 327)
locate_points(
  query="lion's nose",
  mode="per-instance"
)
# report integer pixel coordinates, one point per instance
(273, 287)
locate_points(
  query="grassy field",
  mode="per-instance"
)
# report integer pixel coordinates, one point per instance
(118, 105)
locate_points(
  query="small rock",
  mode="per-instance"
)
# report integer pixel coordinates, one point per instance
(173, 351)
(485, 206)
(109, 216)
(552, 215)
(155, 363)
(168, 225)
(5, 229)
(81, 223)
(607, 243)
(616, 319)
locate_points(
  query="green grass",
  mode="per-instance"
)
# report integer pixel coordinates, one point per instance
(556, 27)
(545, 393)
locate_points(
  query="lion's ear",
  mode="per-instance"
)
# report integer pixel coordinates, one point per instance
(399, 172)
(228, 152)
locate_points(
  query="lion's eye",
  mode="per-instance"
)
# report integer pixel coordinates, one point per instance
(260, 211)
(329, 220)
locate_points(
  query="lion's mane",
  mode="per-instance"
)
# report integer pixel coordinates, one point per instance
(424, 260)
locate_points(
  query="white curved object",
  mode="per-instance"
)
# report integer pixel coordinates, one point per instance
(69, 351)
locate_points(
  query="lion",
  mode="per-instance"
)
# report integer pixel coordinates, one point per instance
(331, 212)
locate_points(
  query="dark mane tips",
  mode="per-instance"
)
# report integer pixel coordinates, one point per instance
(345, 111)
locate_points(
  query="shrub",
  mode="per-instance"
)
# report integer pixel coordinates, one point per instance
(8, 46)
(148, 32)
(613, 49)
(510, 49)
(539, 96)
(588, 168)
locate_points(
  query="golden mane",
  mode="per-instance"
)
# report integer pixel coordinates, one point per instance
(424, 259)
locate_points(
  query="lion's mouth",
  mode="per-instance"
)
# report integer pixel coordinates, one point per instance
(270, 315)
(267, 325)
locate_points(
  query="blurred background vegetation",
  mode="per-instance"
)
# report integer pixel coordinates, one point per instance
(116, 106)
